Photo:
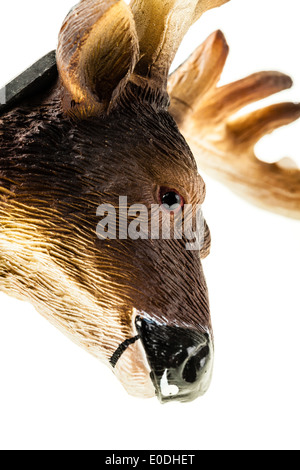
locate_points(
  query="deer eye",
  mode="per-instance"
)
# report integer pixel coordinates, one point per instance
(171, 200)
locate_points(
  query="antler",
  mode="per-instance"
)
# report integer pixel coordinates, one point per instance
(161, 26)
(223, 144)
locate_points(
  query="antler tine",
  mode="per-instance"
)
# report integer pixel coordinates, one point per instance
(198, 75)
(226, 100)
(247, 130)
(159, 44)
(224, 145)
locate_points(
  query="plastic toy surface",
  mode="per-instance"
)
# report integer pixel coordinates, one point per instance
(100, 196)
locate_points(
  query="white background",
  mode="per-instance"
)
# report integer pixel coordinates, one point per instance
(53, 395)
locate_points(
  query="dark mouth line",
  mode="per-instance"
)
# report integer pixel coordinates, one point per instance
(121, 349)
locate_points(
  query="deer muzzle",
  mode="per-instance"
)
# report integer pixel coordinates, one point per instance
(180, 359)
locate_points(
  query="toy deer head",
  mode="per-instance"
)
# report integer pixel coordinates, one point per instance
(105, 136)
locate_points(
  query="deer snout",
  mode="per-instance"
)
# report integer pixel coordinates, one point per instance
(180, 360)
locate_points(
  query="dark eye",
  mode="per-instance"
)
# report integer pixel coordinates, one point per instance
(171, 200)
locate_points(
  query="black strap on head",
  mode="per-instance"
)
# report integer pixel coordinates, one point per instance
(33, 81)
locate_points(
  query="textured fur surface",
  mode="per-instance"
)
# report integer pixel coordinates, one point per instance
(54, 173)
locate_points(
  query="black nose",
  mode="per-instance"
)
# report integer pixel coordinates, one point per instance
(180, 359)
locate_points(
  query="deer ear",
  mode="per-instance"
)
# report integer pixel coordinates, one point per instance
(159, 44)
(97, 52)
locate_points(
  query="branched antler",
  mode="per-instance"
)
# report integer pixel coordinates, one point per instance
(223, 144)
(161, 26)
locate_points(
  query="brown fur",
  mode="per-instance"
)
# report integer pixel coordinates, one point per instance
(55, 172)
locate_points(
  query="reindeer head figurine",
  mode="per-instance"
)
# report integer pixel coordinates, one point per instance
(105, 135)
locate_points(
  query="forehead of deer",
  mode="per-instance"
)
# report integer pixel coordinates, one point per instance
(146, 144)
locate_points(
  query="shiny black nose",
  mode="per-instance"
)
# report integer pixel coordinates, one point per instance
(180, 359)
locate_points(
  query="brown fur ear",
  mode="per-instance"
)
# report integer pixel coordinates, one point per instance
(161, 26)
(97, 52)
